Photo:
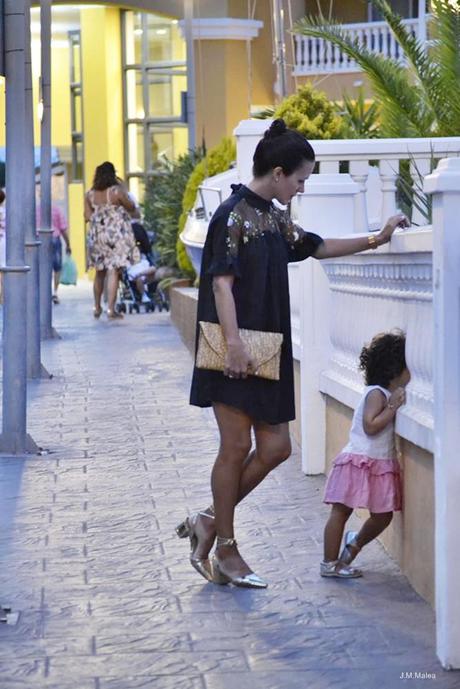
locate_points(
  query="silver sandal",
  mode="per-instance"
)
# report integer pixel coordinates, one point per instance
(348, 554)
(335, 568)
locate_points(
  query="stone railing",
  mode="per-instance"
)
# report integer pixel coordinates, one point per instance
(318, 56)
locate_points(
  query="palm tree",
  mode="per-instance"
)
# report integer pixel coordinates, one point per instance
(422, 97)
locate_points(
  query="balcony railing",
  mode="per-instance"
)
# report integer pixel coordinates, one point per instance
(317, 56)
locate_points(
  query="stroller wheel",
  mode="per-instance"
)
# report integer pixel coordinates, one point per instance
(122, 307)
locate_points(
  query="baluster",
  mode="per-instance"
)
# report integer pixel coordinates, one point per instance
(368, 38)
(321, 54)
(299, 41)
(418, 169)
(389, 170)
(336, 54)
(328, 56)
(375, 40)
(359, 171)
(394, 52)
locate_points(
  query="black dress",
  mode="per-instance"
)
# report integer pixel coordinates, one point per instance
(250, 238)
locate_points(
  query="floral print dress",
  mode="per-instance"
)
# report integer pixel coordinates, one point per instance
(254, 241)
(110, 240)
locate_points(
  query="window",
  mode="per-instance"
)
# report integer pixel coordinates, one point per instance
(76, 106)
(408, 9)
(155, 82)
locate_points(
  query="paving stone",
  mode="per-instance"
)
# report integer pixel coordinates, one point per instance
(107, 595)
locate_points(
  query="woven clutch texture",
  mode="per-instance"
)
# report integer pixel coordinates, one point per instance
(263, 347)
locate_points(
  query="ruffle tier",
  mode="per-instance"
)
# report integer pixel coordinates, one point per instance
(360, 481)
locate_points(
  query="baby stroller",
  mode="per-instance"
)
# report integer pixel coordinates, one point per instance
(130, 297)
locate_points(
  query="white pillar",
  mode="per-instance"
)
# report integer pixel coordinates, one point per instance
(444, 184)
(327, 207)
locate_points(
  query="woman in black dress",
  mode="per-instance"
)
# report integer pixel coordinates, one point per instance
(244, 284)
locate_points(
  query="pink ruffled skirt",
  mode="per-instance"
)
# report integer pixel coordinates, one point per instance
(360, 481)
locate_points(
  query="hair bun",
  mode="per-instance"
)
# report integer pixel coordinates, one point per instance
(277, 128)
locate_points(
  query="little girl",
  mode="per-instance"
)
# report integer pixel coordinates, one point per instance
(366, 473)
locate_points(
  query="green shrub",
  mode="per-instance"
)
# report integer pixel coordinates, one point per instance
(163, 203)
(217, 160)
(312, 114)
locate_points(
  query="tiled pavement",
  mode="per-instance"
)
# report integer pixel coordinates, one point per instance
(89, 555)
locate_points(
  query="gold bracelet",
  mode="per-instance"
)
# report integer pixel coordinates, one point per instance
(372, 242)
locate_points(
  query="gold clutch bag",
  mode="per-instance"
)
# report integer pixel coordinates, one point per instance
(264, 348)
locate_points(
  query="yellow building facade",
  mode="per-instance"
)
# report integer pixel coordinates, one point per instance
(119, 81)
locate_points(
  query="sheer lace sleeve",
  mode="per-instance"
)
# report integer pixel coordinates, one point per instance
(226, 232)
(300, 243)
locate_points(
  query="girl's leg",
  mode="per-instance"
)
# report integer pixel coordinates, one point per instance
(373, 527)
(112, 288)
(98, 288)
(235, 443)
(333, 531)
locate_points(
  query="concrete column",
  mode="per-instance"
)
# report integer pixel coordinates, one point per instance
(34, 366)
(444, 184)
(45, 257)
(14, 439)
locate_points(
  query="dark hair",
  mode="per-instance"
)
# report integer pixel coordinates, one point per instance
(281, 147)
(2, 196)
(384, 358)
(104, 177)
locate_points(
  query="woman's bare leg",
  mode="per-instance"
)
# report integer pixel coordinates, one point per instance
(333, 531)
(98, 288)
(113, 279)
(235, 443)
(273, 446)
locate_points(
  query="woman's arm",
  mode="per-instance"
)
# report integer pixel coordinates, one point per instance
(330, 248)
(237, 359)
(88, 209)
(125, 201)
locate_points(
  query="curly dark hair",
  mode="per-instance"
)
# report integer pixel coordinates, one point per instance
(384, 358)
(105, 176)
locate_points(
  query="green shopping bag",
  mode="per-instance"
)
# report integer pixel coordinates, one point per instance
(69, 272)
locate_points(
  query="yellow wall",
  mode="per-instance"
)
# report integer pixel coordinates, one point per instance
(102, 89)
(77, 225)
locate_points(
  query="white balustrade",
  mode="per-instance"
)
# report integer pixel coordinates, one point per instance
(317, 56)
(377, 185)
(377, 291)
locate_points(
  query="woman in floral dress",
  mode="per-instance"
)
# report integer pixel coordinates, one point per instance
(111, 243)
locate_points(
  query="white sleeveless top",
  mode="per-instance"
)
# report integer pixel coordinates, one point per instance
(379, 446)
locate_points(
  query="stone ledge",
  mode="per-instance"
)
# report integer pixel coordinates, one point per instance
(184, 301)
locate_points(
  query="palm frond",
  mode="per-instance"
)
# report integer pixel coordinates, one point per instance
(402, 114)
(445, 52)
(437, 72)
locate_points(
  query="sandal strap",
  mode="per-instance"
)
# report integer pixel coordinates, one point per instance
(220, 541)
